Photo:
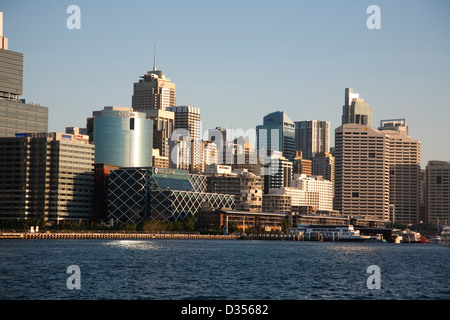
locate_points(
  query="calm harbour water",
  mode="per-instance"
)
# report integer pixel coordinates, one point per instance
(221, 269)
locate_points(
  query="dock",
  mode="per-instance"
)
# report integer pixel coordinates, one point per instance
(271, 236)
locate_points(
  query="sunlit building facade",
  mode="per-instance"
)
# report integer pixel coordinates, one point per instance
(277, 133)
(46, 176)
(123, 137)
(16, 116)
(153, 91)
(362, 172)
(355, 109)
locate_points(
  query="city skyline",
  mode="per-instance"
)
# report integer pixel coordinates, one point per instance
(249, 58)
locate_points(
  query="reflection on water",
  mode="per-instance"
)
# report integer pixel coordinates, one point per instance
(133, 244)
(216, 269)
(357, 248)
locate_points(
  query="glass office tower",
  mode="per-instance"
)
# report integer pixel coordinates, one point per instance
(122, 137)
(277, 133)
(355, 109)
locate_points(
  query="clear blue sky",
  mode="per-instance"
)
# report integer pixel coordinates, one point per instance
(239, 60)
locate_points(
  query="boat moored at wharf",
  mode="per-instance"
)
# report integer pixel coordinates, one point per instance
(329, 233)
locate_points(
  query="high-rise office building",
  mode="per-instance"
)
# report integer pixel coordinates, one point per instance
(16, 116)
(210, 154)
(163, 124)
(362, 172)
(153, 91)
(404, 172)
(185, 144)
(234, 150)
(301, 165)
(437, 192)
(3, 40)
(278, 173)
(323, 165)
(312, 137)
(277, 133)
(47, 176)
(243, 156)
(218, 136)
(123, 137)
(394, 124)
(355, 110)
(422, 203)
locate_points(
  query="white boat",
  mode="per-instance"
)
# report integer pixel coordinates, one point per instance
(435, 240)
(410, 236)
(329, 233)
(445, 237)
(377, 238)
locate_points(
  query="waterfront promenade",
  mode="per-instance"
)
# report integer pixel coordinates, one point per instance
(110, 235)
(137, 236)
(143, 236)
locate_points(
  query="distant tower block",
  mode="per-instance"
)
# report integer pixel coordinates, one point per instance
(3, 40)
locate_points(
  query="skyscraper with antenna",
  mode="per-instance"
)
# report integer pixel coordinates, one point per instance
(153, 91)
(154, 94)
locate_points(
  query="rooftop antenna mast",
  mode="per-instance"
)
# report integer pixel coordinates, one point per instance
(406, 108)
(154, 57)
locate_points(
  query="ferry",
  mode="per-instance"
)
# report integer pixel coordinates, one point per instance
(409, 236)
(445, 237)
(329, 233)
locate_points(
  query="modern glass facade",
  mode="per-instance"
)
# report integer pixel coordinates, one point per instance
(122, 137)
(355, 110)
(139, 194)
(277, 133)
(278, 173)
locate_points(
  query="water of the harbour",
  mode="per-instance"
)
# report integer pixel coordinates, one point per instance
(221, 269)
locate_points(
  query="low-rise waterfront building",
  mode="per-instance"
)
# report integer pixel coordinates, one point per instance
(276, 203)
(244, 221)
(139, 194)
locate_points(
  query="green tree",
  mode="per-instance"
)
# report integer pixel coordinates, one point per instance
(177, 226)
(188, 222)
(285, 225)
(232, 227)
